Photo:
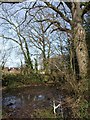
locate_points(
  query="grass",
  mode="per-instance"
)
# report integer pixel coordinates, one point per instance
(45, 113)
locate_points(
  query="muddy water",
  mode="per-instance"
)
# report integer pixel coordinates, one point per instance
(22, 102)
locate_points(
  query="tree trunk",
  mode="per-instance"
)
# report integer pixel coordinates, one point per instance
(81, 49)
(74, 63)
(79, 39)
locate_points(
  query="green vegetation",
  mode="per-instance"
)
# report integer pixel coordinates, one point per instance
(57, 37)
(45, 113)
(16, 80)
(78, 92)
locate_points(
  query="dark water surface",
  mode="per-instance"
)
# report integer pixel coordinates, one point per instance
(22, 102)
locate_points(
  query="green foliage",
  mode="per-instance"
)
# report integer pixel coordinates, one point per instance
(84, 104)
(83, 109)
(32, 78)
(8, 79)
(15, 80)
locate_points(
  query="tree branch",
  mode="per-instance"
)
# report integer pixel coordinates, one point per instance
(58, 11)
(56, 23)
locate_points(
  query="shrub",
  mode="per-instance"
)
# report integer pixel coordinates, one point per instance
(16, 79)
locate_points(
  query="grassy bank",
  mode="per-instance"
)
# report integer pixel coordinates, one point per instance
(11, 80)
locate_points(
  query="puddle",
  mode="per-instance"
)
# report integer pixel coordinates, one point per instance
(11, 102)
(39, 97)
(23, 101)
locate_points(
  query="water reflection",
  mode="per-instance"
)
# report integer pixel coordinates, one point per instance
(31, 98)
(39, 97)
(19, 98)
(14, 101)
(11, 102)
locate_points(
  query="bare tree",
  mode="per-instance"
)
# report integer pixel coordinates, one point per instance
(72, 13)
(62, 16)
(15, 34)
